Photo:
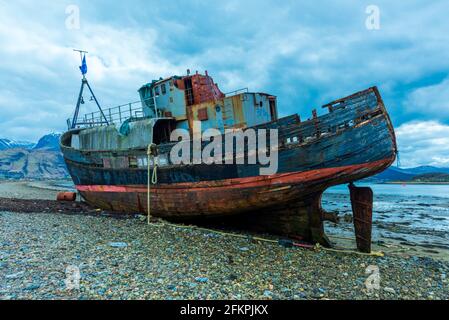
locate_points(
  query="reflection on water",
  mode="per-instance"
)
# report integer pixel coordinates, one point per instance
(415, 190)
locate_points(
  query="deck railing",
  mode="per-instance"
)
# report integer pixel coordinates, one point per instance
(119, 114)
(235, 92)
(114, 115)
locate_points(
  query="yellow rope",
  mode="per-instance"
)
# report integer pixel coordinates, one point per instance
(372, 253)
(151, 179)
(236, 235)
(342, 238)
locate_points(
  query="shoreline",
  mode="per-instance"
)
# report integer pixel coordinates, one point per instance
(417, 183)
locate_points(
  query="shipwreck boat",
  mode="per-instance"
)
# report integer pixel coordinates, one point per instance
(106, 155)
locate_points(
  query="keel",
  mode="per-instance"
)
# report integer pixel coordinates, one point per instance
(302, 220)
(362, 209)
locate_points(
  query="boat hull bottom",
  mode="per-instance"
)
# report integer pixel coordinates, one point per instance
(286, 204)
(302, 219)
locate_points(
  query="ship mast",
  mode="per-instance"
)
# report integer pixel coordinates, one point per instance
(84, 82)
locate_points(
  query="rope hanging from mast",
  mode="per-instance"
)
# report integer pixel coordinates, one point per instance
(151, 176)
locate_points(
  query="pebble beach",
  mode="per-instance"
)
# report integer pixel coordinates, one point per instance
(122, 257)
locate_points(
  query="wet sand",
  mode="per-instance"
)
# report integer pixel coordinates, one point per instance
(44, 190)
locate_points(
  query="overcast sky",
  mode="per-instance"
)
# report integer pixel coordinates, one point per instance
(305, 52)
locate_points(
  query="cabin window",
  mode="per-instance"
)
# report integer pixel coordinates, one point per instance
(163, 88)
(189, 91)
(162, 131)
(133, 162)
(156, 91)
(273, 111)
(171, 99)
(261, 104)
(202, 114)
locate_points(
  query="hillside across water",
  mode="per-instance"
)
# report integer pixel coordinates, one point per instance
(42, 160)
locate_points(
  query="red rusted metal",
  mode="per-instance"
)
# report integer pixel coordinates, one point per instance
(201, 88)
(362, 209)
(202, 114)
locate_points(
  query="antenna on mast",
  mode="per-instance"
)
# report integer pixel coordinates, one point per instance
(81, 53)
(83, 69)
(83, 61)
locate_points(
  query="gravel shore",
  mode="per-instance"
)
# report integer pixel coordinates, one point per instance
(124, 258)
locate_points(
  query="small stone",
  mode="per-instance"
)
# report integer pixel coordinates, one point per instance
(267, 293)
(390, 290)
(300, 295)
(14, 275)
(34, 286)
(233, 277)
(118, 244)
(101, 292)
(201, 279)
(244, 249)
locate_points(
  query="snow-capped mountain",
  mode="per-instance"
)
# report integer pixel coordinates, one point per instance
(12, 144)
(22, 160)
(49, 142)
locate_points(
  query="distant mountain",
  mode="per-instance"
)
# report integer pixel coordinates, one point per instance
(431, 177)
(425, 169)
(6, 144)
(408, 174)
(48, 142)
(41, 161)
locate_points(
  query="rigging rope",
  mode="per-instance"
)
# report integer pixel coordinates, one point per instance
(151, 177)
